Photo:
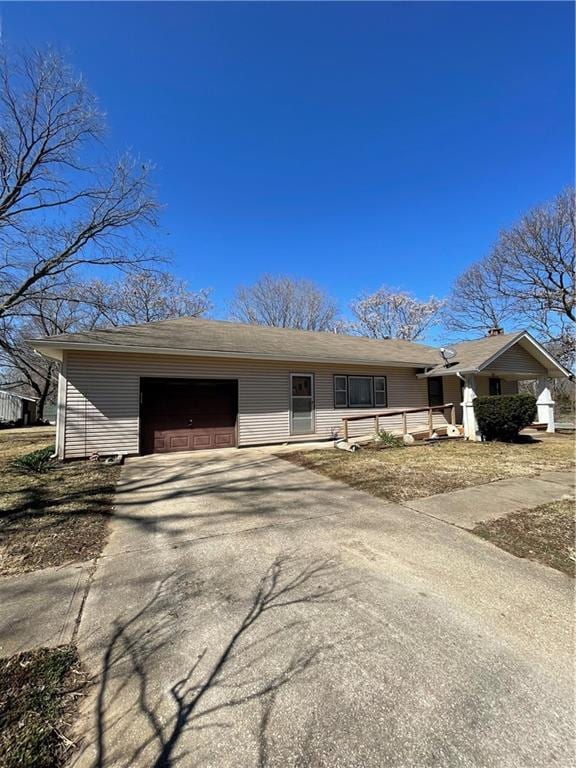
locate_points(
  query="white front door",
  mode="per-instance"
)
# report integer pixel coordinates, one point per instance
(301, 403)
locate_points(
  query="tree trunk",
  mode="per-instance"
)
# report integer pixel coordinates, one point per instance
(44, 392)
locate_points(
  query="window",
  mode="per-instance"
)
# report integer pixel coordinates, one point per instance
(380, 395)
(340, 391)
(435, 391)
(495, 387)
(360, 392)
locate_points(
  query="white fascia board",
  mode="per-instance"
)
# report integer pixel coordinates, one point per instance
(54, 350)
(451, 372)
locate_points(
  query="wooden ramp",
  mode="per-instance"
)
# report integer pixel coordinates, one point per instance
(419, 433)
(420, 428)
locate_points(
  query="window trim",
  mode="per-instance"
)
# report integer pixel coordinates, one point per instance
(349, 376)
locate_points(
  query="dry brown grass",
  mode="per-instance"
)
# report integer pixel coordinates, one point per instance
(49, 519)
(39, 693)
(545, 534)
(401, 474)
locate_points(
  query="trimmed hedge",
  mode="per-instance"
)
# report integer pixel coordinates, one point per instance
(501, 417)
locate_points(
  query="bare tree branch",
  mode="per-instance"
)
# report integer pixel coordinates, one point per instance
(284, 302)
(56, 212)
(527, 280)
(392, 314)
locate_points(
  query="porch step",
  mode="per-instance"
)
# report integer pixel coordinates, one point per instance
(541, 427)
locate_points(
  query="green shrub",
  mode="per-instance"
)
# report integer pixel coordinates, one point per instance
(35, 462)
(501, 417)
(388, 440)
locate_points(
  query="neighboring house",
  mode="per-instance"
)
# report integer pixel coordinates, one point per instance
(17, 409)
(187, 384)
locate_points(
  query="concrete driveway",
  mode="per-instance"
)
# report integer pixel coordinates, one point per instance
(248, 612)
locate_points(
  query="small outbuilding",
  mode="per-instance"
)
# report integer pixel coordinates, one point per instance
(17, 409)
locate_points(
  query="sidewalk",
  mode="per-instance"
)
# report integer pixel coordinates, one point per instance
(41, 608)
(469, 506)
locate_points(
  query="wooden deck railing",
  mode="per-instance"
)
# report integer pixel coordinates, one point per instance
(402, 412)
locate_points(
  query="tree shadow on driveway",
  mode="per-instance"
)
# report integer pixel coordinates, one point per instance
(139, 720)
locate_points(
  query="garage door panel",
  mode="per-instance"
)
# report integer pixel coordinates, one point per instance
(224, 440)
(201, 440)
(179, 442)
(187, 414)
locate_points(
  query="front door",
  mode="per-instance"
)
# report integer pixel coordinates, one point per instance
(301, 404)
(435, 391)
(187, 414)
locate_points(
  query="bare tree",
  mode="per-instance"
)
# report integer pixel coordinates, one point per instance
(392, 314)
(143, 297)
(57, 210)
(285, 302)
(474, 306)
(526, 280)
(533, 262)
(136, 298)
(21, 368)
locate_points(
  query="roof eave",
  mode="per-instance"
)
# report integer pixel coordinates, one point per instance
(445, 372)
(54, 350)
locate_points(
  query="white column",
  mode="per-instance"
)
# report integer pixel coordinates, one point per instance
(545, 405)
(468, 416)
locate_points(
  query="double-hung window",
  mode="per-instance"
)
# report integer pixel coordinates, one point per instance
(340, 391)
(360, 391)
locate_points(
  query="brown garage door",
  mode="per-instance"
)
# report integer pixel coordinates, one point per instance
(187, 414)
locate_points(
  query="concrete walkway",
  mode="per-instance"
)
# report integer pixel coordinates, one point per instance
(248, 612)
(469, 506)
(41, 608)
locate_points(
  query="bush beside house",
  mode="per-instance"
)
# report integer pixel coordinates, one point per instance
(502, 417)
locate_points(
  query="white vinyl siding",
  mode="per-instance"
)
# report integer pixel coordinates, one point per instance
(11, 407)
(103, 391)
(453, 394)
(517, 360)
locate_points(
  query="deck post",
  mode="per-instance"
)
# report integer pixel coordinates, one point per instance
(545, 405)
(430, 422)
(453, 415)
(345, 423)
(404, 423)
(376, 425)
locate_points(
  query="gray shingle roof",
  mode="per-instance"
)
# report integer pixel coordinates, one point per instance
(471, 355)
(217, 337)
(192, 335)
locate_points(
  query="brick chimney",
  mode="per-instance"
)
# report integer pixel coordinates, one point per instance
(495, 331)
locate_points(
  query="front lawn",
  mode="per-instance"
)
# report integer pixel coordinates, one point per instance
(39, 691)
(545, 533)
(401, 474)
(51, 518)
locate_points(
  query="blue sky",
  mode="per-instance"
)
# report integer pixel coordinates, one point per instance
(353, 144)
